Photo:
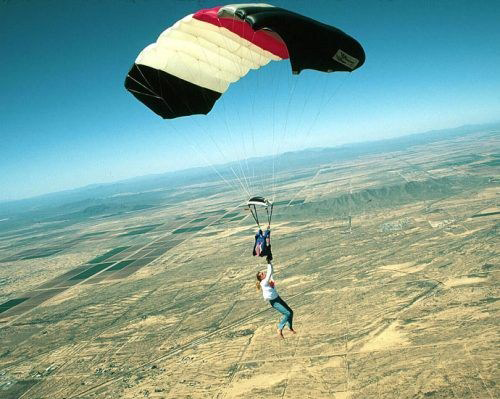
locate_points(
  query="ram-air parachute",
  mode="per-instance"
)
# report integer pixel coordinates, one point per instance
(192, 63)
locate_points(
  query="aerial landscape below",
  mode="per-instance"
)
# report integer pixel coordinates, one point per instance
(389, 260)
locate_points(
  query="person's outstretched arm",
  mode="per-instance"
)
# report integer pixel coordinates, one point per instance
(269, 273)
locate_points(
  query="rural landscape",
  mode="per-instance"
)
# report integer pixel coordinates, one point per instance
(386, 251)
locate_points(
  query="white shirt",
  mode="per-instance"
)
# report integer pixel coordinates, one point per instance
(268, 292)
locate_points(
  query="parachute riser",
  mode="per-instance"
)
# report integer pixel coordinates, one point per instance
(254, 214)
(269, 212)
(269, 215)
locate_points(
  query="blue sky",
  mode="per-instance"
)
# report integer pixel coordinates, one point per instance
(67, 121)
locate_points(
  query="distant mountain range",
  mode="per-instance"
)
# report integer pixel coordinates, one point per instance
(154, 189)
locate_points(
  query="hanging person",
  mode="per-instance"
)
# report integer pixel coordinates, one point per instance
(266, 284)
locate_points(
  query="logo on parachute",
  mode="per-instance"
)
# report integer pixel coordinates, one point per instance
(346, 59)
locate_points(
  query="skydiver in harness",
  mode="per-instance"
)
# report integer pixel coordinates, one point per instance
(262, 245)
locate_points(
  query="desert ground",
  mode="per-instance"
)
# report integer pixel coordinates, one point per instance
(389, 262)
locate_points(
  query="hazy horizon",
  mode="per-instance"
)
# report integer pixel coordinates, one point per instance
(218, 167)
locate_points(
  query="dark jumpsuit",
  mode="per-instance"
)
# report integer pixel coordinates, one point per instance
(263, 242)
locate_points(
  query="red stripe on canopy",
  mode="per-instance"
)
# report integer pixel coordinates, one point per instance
(261, 38)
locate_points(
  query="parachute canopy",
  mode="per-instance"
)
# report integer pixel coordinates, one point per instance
(194, 61)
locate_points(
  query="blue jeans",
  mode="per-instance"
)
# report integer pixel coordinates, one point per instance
(281, 306)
